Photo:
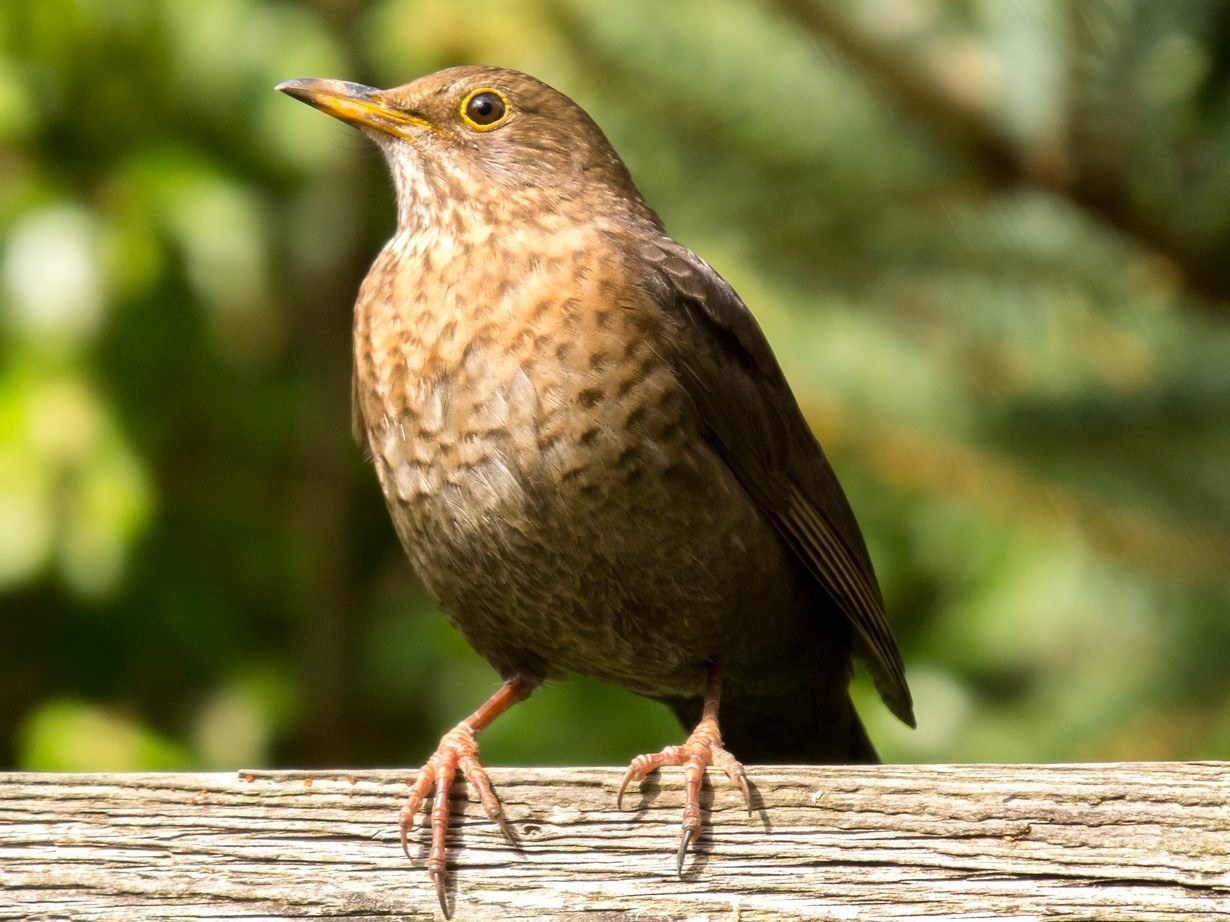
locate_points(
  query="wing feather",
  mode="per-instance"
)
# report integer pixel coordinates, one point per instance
(751, 416)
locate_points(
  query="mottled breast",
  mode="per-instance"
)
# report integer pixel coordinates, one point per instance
(541, 460)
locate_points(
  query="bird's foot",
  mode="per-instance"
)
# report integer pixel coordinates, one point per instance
(702, 749)
(457, 750)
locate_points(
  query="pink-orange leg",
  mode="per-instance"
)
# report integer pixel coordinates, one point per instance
(702, 748)
(458, 749)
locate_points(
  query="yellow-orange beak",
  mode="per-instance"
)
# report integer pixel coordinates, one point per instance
(359, 105)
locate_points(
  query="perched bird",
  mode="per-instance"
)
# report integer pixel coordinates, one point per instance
(588, 449)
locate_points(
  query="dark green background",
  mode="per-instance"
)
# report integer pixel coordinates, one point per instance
(990, 242)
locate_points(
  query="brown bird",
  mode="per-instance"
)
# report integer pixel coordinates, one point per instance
(588, 449)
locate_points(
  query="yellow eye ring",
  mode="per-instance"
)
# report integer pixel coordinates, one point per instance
(485, 109)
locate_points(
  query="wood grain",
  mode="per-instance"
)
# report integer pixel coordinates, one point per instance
(1132, 842)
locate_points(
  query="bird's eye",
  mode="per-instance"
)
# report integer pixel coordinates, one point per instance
(484, 109)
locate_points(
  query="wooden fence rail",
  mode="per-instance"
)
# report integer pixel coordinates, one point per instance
(1126, 842)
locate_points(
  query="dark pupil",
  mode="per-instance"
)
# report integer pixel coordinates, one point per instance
(485, 109)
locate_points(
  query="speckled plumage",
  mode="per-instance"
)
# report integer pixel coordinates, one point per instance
(546, 470)
(587, 447)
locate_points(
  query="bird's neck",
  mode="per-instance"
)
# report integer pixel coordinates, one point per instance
(504, 238)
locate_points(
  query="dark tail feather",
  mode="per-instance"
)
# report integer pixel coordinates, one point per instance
(771, 731)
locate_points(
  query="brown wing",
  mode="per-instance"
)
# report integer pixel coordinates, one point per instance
(755, 423)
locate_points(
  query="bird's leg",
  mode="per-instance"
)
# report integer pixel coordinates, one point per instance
(459, 749)
(702, 748)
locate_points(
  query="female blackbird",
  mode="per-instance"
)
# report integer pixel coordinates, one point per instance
(588, 449)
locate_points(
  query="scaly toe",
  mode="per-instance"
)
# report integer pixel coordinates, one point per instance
(457, 750)
(702, 749)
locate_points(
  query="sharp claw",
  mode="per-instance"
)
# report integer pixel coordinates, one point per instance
(405, 845)
(506, 829)
(747, 795)
(438, 878)
(623, 786)
(684, 842)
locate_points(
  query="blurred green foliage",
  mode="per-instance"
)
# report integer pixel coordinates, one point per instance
(990, 242)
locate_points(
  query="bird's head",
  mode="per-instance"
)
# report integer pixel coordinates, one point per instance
(483, 136)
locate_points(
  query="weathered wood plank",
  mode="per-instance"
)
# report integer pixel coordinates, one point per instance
(1132, 842)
